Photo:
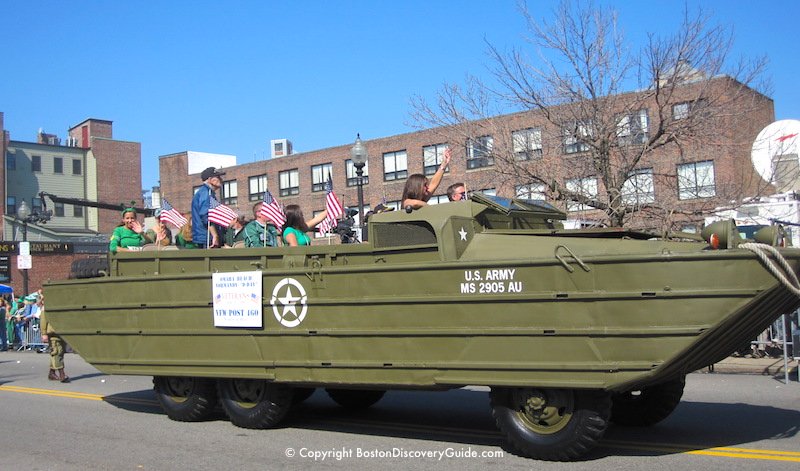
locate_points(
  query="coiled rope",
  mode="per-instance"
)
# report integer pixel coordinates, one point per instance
(778, 266)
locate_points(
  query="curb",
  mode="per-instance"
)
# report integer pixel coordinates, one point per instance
(754, 366)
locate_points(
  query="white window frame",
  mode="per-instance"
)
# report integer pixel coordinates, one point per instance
(531, 191)
(230, 192)
(639, 188)
(573, 134)
(257, 185)
(350, 171)
(289, 182)
(432, 157)
(696, 180)
(632, 128)
(319, 175)
(527, 143)
(586, 186)
(479, 152)
(395, 165)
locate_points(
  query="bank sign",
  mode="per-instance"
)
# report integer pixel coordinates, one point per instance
(237, 299)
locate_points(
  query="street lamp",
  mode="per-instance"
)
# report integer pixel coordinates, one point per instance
(23, 214)
(359, 155)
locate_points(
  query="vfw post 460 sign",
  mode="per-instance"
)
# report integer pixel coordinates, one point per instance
(237, 299)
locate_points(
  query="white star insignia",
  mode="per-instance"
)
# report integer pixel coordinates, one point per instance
(289, 302)
(463, 234)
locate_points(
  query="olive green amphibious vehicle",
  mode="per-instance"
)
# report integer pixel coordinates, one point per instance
(571, 329)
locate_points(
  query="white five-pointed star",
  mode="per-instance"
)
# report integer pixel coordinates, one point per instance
(289, 302)
(463, 234)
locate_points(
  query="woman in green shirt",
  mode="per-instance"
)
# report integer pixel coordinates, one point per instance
(129, 235)
(294, 231)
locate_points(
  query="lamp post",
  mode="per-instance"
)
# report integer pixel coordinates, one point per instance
(23, 214)
(359, 155)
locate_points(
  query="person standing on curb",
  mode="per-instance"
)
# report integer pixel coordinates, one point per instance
(56, 350)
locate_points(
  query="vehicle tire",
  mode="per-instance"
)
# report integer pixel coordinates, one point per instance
(299, 395)
(355, 398)
(551, 424)
(647, 406)
(186, 399)
(254, 403)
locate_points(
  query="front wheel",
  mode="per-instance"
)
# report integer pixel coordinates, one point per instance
(647, 406)
(254, 403)
(551, 424)
(185, 399)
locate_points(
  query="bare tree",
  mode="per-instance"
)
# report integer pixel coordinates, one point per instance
(611, 113)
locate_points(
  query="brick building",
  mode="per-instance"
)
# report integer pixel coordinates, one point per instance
(91, 165)
(699, 174)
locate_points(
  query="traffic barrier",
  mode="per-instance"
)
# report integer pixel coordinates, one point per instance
(32, 337)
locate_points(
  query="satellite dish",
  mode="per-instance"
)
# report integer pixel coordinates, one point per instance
(775, 154)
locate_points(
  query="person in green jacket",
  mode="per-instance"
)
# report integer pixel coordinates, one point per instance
(129, 235)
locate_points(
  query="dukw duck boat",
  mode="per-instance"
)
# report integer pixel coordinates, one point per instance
(571, 329)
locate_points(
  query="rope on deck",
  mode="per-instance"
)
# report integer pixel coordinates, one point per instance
(777, 265)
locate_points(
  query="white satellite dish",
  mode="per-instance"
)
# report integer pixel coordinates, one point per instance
(775, 154)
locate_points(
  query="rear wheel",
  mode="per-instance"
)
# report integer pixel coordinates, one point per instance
(647, 406)
(185, 399)
(355, 398)
(254, 403)
(551, 424)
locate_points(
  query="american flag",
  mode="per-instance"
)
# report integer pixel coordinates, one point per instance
(271, 210)
(333, 206)
(171, 215)
(220, 214)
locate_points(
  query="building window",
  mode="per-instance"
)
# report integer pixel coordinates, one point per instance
(257, 186)
(319, 175)
(527, 143)
(638, 188)
(436, 199)
(683, 110)
(58, 209)
(230, 192)
(531, 191)
(395, 165)
(350, 170)
(479, 152)
(77, 167)
(574, 136)
(36, 205)
(36, 163)
(289, 182)
(395, 205)
(58, 165)
(696, 180)
(432, 157)
(632, 128)
(11, 205)
(77, 211)
(11, 161)
(586, 187)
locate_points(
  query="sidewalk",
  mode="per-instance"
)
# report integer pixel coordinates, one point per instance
(756, 366)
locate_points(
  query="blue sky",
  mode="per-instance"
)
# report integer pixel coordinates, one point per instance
(228, 76)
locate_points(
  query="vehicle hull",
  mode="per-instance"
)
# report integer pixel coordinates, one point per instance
(584, 314)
